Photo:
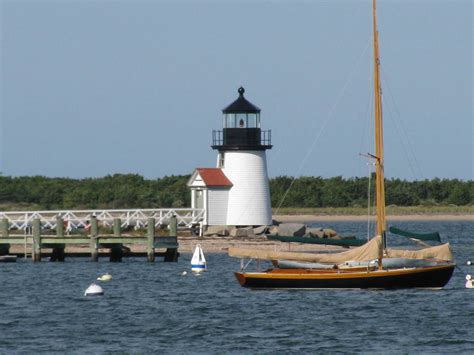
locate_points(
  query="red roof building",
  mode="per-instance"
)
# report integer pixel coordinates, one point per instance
(210, 191)
(213, 177)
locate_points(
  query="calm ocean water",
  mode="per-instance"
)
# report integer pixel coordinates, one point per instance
(152, 308)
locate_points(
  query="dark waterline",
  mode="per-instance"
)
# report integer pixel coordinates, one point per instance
(153, 308)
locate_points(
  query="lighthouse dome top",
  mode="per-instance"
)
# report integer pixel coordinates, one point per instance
(241, 105)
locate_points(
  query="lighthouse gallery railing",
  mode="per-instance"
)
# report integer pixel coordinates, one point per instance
(218, 138)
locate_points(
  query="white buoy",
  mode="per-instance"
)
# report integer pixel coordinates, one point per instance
(184, 273)
(105, 277)
(198, 261)
(94, 290)
(469, 283)
(469, 263)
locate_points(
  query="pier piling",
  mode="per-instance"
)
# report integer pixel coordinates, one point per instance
(36, 240)
(173, 226)
(171, 254)
(150, 250)
(58, 249)
(116, 250)
(94, 231)
(4, 248)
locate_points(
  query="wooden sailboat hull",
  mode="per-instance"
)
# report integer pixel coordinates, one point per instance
(426, 277)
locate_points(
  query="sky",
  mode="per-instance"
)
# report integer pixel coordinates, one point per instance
(92, 88)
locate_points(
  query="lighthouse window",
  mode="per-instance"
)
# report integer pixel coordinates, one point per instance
(242, 120)
(230, 121)
(221, 160)
(252, 120)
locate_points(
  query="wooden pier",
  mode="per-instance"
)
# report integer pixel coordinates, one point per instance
(115, 243)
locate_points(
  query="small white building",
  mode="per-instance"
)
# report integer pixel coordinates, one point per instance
(236, 192)
(210, 190)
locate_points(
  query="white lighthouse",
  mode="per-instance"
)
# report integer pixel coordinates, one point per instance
(238, 187)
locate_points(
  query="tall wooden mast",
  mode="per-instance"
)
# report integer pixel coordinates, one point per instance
(380, 180)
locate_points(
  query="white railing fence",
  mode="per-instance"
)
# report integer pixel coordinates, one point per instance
(186, 217)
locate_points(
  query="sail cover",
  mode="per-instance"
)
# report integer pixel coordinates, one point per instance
(440, 252)
(366, 252)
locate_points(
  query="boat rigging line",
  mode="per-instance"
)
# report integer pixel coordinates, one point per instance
(326, 121)
(401, 131)
(370, 166)
(369, 113)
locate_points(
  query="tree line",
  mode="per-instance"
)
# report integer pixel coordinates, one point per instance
(134, 191)
(353, 192)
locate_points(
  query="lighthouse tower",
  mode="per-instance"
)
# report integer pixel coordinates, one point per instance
(241, 147)
(236, 192)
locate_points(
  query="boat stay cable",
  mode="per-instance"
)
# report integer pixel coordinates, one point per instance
(323, 127)
(370, 166)
(401, 131)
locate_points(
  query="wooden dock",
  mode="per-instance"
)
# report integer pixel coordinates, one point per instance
(115, 244)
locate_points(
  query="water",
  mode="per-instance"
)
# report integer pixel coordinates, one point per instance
(152, 308)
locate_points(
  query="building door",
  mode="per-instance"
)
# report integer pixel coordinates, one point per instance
(199, 199)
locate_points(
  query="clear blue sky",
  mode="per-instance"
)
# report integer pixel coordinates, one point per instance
(90, 88)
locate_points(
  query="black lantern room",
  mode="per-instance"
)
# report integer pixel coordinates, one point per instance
(241, 127)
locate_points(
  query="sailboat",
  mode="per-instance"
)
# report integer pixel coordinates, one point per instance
(361, 267)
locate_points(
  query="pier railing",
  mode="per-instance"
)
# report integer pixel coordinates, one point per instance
(77, 219)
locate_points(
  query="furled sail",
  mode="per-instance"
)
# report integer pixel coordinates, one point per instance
(366, 252)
